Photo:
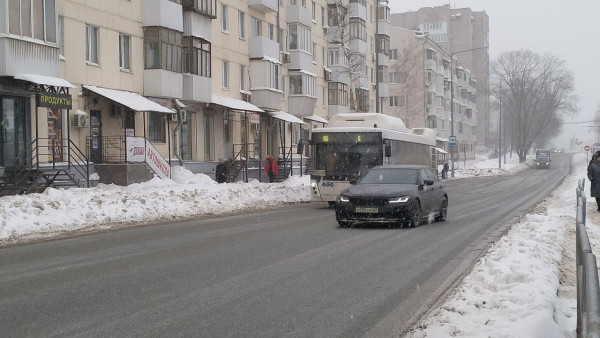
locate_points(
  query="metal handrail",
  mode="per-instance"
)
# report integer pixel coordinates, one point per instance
(588, 289)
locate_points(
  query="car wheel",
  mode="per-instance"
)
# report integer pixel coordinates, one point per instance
(443, 212)
(415, 214)
(343, 224)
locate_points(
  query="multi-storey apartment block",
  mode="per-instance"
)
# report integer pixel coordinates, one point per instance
(119, 86)
(464, 34)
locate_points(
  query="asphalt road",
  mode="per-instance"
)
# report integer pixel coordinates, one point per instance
(289, 272)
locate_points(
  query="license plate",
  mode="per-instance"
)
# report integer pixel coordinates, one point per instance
(366, 210)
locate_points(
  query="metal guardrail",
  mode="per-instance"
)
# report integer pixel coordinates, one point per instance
(588, 290)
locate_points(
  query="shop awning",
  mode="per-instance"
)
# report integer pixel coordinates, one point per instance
(440, 150)
(285, 117)
(316, 119)
(135, 102)
(235, 104)
(44, 80)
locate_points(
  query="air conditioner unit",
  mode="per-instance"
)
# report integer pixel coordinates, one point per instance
(328, 75)
(246, 97)
(173, 117)
(325, 29)
(80, 120)
(287, 58)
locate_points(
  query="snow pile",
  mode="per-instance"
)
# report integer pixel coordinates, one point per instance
(187, 195)
(512, 290)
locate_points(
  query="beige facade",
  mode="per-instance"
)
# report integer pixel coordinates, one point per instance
(465, 34)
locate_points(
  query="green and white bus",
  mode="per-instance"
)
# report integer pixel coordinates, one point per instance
(355, 142)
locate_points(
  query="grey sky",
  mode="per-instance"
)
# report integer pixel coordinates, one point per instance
(567, 29)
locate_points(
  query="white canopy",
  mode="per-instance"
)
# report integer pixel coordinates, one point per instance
(285, 117)
(44, 80)
(440, 150)
(135, 102)
(235, 104)
(316, 119)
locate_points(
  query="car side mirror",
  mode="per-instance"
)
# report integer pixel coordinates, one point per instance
(428, 182)
(352, 181)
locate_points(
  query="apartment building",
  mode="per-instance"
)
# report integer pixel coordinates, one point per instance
(180, 82)
(464, 34)
(421, 76)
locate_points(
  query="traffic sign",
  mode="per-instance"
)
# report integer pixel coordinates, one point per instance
(586, 148)
(452, 141)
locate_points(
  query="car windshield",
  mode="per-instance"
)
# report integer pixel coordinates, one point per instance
(390, 176)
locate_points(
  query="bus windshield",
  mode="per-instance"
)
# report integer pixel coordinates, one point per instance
(342, 161)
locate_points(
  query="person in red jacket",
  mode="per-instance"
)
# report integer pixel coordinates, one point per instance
(271, 168)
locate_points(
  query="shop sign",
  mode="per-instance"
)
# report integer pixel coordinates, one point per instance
(54, 100)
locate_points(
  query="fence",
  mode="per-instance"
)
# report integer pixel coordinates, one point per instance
(588, 290)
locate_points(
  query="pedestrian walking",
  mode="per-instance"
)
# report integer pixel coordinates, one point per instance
(593, 173)
(271, 168)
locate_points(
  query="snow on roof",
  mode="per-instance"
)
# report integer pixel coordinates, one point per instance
(45, 80)
(134, 101)
(235, 104)
(316, 119)
(285, 117)
(367, 120)
(307, 73)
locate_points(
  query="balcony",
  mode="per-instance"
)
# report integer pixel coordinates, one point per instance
(263, 6)
(384, 89)
(162, 13)
(299, 14)
(260, 46)
(27, 56)
(358, 46)
(197, 88)
(357, 10)
(302, 105)
(300, 59)
(267, 98)
(163, 83)
(198, 25)
(430, 65)
(383, 27)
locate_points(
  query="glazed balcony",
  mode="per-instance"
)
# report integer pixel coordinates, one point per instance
(263, 6)
(28, 56)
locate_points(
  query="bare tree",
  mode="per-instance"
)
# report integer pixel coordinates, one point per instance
(536, 93)
(354, 63)
(409, 72)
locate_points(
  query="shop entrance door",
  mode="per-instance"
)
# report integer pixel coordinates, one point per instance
(13, 135)
(95, 136)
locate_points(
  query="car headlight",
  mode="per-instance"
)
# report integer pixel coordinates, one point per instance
(402, 199)
(343, 199)
(313, 184)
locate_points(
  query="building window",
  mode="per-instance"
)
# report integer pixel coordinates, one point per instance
(314, 11)
(430, 54)
(362, 97)
(124, 52)
(163, 48)
(323, 17)
(206, 7)
(256, 27)
(224, 20)
(156, 127)
(243, 73)
(274, 76)
(393, 101)
(280, 39)
(271, 32)
(91, 44)
(225, 79)
(358, 29)
(337, 94)
(393, 54)
(303, 84)
(394, 77)
(196, 56)
(299, 37)
(314, 52)
(383, 44)
(324, 95)
(242, 24)
(33, 18)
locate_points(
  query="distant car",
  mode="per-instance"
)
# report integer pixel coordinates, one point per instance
(400, 194)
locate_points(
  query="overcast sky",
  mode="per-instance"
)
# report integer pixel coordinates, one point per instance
(567, 29)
